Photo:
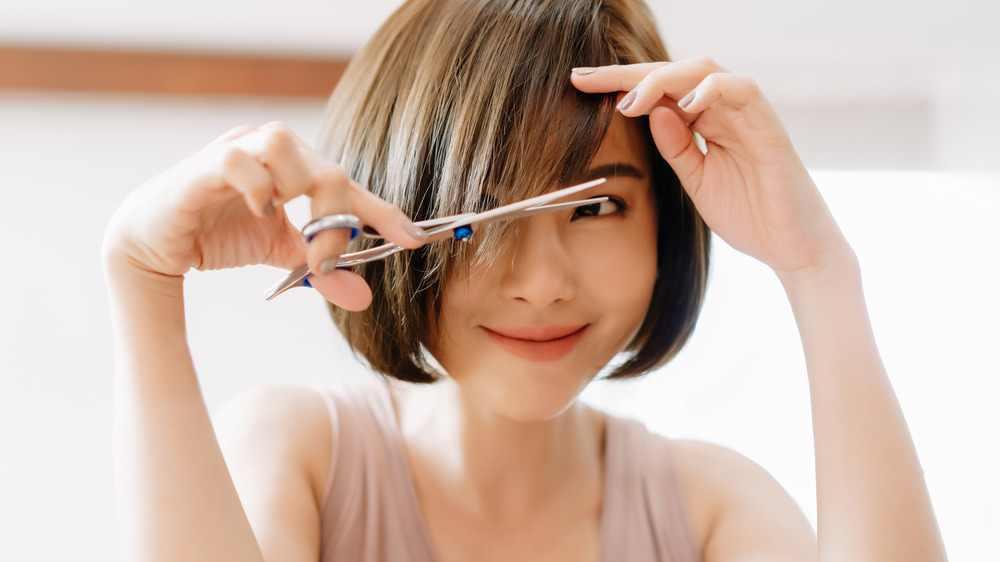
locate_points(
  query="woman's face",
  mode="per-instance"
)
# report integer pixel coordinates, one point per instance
(525, 335)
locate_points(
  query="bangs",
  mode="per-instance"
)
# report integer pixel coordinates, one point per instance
(478, 112)
(517, 126)
(459, 106)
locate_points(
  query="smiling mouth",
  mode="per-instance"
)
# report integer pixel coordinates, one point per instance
(538, 343)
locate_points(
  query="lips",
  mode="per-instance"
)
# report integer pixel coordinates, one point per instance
(538, 343)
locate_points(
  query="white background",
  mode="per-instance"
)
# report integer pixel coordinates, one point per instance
(891, 105)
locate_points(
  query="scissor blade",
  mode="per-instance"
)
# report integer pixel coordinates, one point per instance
(427, 225)
(291, 280)
(539, 209)
(509, 211)
(441, 228)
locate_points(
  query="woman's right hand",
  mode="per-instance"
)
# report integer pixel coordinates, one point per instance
(223, 207)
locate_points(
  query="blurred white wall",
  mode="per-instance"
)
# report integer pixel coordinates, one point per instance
(899, 101)
(891, 83)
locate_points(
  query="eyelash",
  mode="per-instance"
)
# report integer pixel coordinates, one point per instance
(621, 205)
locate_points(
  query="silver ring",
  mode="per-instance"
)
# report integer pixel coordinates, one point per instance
(331, 222)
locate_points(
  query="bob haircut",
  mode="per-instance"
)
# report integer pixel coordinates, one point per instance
(460, 105)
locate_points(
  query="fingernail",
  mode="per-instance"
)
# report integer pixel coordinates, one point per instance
(269, 209)
(328, 266)
(686, 100)
(627, 100)
(584, 70)
(415, 231)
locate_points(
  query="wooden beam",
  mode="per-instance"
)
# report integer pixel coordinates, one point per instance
(67, 69)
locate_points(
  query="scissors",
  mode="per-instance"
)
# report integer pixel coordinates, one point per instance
(459, 227)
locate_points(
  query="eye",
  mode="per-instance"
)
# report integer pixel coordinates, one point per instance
(610, 207)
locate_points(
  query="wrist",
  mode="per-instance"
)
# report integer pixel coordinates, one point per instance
(124, 275)
(836, 266)
(827, 281)
(828, 303)
(134, 288)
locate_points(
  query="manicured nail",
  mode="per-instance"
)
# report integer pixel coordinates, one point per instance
(269, 209)
(415, 231)
(584, 70)
(328, 266)
(627, 100)
(686, 100)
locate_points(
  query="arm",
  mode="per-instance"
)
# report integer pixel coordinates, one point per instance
(175, 499)
(753, 191)
(872, 499)
(738, 510)
(873, 504)
(220, 208)
(278, 445)
(189, 510)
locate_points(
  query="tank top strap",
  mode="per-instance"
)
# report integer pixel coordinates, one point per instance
(369, 512)
(644, 516)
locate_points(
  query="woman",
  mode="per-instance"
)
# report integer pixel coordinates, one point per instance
(459, 105)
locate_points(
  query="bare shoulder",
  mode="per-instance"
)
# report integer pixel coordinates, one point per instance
(277, 442)
(738, 510)
(290, 424)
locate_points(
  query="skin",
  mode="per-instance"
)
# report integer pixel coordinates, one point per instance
(508, 452)
(749, 186)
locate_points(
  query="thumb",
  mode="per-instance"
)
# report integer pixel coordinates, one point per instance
(343, 288)
(676, 144)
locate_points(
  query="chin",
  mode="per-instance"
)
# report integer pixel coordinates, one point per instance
(527, 398)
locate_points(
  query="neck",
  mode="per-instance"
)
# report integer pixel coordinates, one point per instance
(484, 462)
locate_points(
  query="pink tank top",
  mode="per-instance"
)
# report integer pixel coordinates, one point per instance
(370, 512)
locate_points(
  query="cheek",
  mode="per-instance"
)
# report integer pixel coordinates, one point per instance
(621, 272)
(457, 306)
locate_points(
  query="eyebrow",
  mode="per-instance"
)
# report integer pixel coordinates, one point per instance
(613, 169)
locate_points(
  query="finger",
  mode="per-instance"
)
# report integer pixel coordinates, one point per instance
(281, 152)
(300, 171)
(246, 175)
(613, 78)
(295, 170)
(739, 93)
(674, 81)
(329, 195)
(386, 218)
(343, 288)
(677, 145)
(623, 78)
(731, 90)
(373, 211)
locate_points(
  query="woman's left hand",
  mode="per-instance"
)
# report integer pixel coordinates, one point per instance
(749, 185)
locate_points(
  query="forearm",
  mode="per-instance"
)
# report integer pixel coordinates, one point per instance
(175, 498)
(871, 495)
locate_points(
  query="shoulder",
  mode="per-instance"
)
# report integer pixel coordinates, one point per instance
(300, 432)
(738, 510)
(277, 442)
(279, 425)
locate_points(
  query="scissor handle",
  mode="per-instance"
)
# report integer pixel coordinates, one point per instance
(331, 222)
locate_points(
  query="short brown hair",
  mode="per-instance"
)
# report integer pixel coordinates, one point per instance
(457, 103)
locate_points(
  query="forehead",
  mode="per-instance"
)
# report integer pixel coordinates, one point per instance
(624, 144)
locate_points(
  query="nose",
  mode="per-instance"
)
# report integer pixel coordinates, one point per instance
(540, 271)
